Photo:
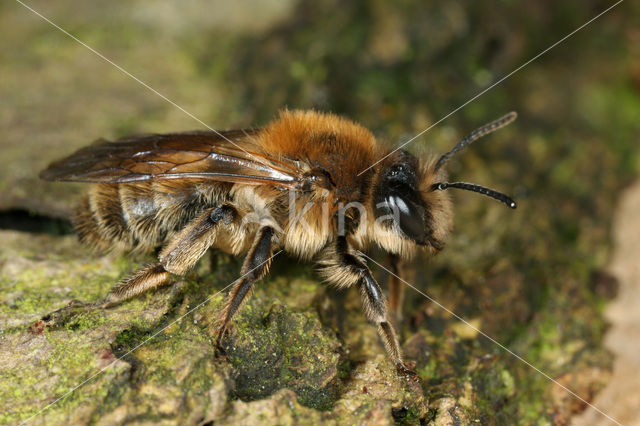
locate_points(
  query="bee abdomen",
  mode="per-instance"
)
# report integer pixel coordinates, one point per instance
(140, 216)
(87, 225)
(139, 212)
(107, 209)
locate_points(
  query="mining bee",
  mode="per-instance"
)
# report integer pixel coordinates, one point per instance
(302, 184)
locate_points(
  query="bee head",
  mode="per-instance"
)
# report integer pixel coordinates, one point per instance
(410, 197)
(405, 202)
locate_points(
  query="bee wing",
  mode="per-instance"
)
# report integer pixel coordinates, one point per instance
(201, 155)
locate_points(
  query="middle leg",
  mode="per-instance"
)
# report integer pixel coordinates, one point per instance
(255, 266)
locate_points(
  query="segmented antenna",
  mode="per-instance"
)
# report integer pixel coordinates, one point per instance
(476, 188)
(477, 134)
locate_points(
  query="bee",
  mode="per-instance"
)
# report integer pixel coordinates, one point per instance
(310, 184)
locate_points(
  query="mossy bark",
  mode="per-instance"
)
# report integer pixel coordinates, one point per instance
(300, 352)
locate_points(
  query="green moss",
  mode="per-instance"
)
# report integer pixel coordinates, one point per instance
(429, 371)
(395, 67)
(274, 347)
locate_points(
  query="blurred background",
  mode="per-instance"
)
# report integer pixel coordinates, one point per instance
(537, 279)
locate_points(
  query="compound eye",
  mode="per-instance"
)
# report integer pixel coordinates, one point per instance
(408, 216)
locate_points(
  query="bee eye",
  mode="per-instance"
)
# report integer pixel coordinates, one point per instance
(400, 173)
(398, 200)
(408, 216)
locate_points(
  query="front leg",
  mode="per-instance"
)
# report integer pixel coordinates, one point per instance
(344, 269)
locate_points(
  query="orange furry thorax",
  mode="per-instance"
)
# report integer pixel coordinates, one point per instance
(340, 146)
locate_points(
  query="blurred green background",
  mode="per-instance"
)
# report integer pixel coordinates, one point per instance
(531, 278)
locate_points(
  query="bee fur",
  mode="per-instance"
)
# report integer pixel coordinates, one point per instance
(302, 184)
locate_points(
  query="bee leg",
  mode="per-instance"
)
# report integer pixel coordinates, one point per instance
(376, 311)
(181, 253)
(374, 304)
(144, 279)
(255, 266)
(396, 289)
(60, 316)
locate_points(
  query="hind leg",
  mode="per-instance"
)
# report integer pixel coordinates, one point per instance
(177, 257)
(181, 254)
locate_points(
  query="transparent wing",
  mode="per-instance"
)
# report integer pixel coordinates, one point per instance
(198, 155)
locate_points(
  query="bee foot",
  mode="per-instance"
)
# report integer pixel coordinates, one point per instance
(222, 331)
(407, 371)
(62, 315)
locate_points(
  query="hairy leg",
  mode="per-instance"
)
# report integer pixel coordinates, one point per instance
(345, 269)
(255, 266)
(181, 253)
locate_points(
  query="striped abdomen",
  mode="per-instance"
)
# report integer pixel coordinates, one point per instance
(142, 216)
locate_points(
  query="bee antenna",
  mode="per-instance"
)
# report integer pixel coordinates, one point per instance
(477, 188)
(477, 134)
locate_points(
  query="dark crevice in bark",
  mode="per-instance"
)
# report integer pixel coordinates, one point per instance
(26, 221)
